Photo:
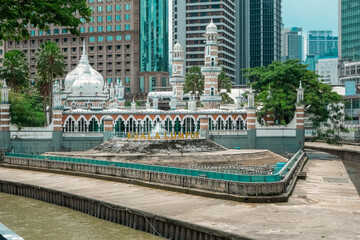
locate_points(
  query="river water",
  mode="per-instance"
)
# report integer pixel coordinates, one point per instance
(37, 220)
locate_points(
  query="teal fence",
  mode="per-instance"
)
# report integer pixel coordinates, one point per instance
(171, 170)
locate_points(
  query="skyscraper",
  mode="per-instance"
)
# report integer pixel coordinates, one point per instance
(349, 32)
(190, 19)
(154, 49)
(265, 32)
(322, 43)
(292, 44)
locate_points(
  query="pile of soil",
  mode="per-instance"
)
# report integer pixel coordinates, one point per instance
(153, 147)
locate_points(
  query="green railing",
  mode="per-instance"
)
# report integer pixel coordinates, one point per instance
(171, 170)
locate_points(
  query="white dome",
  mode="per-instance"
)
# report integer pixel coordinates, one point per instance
(178, 48)
(78, 71)
(211, 28)
(87, 84)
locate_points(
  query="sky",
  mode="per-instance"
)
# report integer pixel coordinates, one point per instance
(311, 14)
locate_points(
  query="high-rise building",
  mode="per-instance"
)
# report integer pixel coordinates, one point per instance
(322, 43)
(292, 44)
(190, 19)
(327, 68)
(115, 47)
(265, 32)
(349, 32)
(242, 38)
(154, 44)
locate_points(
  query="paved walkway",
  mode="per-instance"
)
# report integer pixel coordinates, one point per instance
(325, 206)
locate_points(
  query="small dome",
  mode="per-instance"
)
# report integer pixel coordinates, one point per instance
(87, 84)
(178, 47)
(211, 28)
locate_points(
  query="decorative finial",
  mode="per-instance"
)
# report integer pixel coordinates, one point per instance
(300, 84)
(133, 100)
(84, 50)
(5, 84)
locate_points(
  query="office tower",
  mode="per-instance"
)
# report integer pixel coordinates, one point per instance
(322, 43)
(349, 32)
(190, 19)
(265, 32)
(292, 44)
(154, 50)
(327, 68)
(242, 39)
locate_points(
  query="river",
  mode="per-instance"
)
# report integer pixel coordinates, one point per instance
(37, 220)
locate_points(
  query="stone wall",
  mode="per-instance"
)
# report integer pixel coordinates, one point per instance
(203, 183)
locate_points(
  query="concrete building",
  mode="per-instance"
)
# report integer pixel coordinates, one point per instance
(327, 68)
(114, 46)
(292, 44)
(190, 19)
(349, 32)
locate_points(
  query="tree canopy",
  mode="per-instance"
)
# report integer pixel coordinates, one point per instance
(15, 70)
(17, 16)
(224, 82)
(276, 87)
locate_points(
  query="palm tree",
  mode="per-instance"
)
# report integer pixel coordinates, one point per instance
(50, 64)
(15, 70)
(194, 81)
(224, 82)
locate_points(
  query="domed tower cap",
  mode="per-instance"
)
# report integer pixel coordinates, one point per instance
(177, 47)
(211, 28)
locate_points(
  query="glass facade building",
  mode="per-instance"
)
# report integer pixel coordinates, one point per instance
(265, 32)
(154, 56)
(322, 43)
(349, 29)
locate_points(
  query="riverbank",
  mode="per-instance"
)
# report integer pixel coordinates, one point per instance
(325, 204)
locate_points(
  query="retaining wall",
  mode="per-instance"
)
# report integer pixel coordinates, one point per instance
(139, 220)
(207, 184)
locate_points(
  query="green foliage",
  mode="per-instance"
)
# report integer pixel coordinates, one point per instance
(276, 87)
(50, 64)
(16, 16)
(194, 81)
(224, 82)
(26, 110)
(15, 70)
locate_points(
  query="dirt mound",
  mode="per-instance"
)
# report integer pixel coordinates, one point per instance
(153, 147)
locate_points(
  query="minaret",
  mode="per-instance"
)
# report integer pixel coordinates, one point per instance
(177, 80)
(57, 119)
(4, 118)
(300, 116)
(120, 92)
(211, 98)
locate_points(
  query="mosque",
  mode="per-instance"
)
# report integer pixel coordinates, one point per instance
(86, 104)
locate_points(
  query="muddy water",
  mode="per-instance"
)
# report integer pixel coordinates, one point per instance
(36, 220)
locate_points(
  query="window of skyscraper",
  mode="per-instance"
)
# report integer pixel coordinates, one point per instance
(91, 39)
(127, 27)
(91, 29)
(100, 28)
(118, 7)
(109, 38)
(109, 8)
(109, 18)
(127, 37)
(118, 37)
(40, 33)
(127, 17)
(127, 6)
(100, 39)
(127, 80)
(109, 28)
(64, 30)
(118, 17)
(82, 29)
(99, 18)
(32, 33)
(118, 27)
(91, 19)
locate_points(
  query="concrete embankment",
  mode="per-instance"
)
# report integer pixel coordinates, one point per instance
(324, 206)
(345, 151)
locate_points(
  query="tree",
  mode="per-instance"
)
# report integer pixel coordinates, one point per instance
(15, 70)
(194, 81)
(50, 64)
(276, 86)
(16, 16)
(26, 110)
(224, 82)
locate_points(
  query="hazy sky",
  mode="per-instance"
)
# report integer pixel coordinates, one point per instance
(311, 14)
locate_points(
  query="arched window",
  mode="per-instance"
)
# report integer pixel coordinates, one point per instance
(70, 125)
(212, 91)
(212, 62)
(93, 126)
(81, 125)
